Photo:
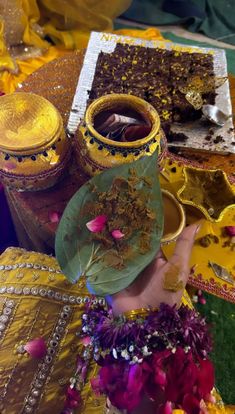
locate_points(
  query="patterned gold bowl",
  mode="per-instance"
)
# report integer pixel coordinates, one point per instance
(96, 153)
(207, 191)
(33, 146)
(174, 217)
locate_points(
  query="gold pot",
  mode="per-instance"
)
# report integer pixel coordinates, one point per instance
(96, 153)
(174, 217)
(33, 146)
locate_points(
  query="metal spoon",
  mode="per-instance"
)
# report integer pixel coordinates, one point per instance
(215, 115)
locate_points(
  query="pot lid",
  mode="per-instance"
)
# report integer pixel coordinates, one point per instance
(28, 123)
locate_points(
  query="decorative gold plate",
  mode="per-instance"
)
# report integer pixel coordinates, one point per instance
(209, 191)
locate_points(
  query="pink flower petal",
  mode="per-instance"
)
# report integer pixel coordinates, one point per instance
(97, 224)
(117, 234)
(230, 230)
(160, 377)
(86, 340)
(166, 408)
(202, 300)
(54, 217)
(36, 348)
(210, 398)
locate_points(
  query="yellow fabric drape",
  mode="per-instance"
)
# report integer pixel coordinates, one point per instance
(67, 22)
(6, 63)
(10, 81)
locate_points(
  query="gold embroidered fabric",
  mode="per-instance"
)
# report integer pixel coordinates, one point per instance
(37, 301)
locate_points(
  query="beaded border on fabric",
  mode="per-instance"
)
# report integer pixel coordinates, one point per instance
(6, 316)
(51, 294)
(45, 366)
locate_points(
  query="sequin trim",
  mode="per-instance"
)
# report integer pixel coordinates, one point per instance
(6, 316)
(45, 366)
(34, 266)
(52, 294)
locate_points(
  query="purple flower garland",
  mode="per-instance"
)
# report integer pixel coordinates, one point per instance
(162, 356)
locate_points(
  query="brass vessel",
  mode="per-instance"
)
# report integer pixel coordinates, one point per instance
(208, 192)
(33, 146)
(174, 217)
(96, 153)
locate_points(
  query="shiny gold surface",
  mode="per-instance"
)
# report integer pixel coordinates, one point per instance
(108, 102)
(221, 200)
(96, 153)
(28, 123)
(34, 148)
(174, 217)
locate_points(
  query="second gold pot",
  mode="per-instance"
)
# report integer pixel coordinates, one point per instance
(96, 153)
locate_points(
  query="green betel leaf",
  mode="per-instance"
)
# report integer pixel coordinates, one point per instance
(129, 198)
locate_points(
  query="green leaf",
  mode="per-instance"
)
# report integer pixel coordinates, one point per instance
(74, 245)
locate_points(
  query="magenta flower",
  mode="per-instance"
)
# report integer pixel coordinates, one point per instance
(97, 224)
(86, 340)
(191, 404)
(36, 348)
(73, 398)
(160, 377)
(117, 234)
(230, 230)
(54, 217)
(166, 408)
(205, 378)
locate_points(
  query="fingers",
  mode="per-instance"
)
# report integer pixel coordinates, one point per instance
(160, 258)
(183, 248)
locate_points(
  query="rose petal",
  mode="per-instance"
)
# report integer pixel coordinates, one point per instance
(160, 377)
(117, 234)
(36, 348)
(97, 224)
(191, 405)
(210, 398)
(230, 230)
(166, 408)
(86, 340)
(54, 217)
(206, 377)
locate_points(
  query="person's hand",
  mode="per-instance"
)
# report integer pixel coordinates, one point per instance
(148, 288)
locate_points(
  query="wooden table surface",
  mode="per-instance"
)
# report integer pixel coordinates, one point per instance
(31, 211)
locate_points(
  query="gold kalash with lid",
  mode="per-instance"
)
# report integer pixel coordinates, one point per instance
(34, 148)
